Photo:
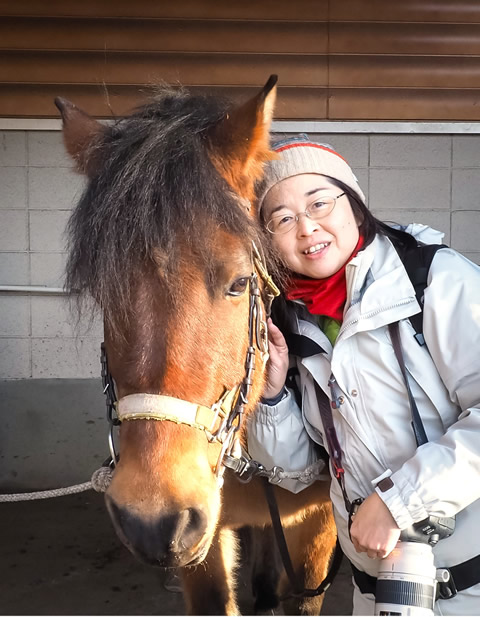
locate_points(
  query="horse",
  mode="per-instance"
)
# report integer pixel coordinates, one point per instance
(165, 240)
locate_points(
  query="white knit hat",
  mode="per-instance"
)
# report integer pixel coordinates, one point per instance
(299, 155)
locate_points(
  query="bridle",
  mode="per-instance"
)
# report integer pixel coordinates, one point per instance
(222, 421)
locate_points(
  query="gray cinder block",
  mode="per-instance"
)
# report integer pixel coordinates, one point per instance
(13, 187)
(412, 151)
(14, 269)
(47, 269)
(13, 230)
(466, 189)
(47, 230)
(14, 358)
(466, 151)
(65, 358)
(46, 149)
(55, 316)
(13, 149)
(410, 189)
(53, 188)
(465, 226)
(15, 312)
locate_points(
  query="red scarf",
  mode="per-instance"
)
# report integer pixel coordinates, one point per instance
(323, 296)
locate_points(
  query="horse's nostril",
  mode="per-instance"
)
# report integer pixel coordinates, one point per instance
(192, 525)
(166, 540)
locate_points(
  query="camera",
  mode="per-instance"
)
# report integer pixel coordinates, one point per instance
(407, 578)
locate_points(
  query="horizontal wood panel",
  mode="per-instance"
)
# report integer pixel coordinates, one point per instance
(462, 11)
(37, 101)
(153, 67)
(388, 38)
(159, 35)
(403, 104)
(404, 71)
(188, 9)
(348, 59)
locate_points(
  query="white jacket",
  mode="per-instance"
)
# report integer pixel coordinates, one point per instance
(373, 423)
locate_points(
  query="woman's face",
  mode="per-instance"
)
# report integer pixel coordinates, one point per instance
(314, 249)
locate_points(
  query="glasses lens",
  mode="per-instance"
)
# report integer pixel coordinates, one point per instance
(321, 208)
(281, 224)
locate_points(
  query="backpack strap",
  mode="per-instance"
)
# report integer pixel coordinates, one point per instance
(417, 262)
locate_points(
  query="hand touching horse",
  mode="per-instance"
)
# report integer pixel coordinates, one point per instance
(164, 239)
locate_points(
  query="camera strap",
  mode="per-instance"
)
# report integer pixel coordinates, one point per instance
(333, 445)
(417, 424)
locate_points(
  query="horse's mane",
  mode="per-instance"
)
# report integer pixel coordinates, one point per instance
(156, 189)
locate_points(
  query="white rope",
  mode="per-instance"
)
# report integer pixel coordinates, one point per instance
(308, 475)
(102, 477)
(100, 481)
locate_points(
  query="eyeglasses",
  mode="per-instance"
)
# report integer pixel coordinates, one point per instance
(282, 223)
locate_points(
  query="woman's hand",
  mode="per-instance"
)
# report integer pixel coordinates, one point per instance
(277, 366)
(374, 530)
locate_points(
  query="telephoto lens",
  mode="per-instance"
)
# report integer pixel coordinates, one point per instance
(406, 581)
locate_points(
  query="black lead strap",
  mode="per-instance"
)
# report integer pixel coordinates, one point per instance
(298, 590)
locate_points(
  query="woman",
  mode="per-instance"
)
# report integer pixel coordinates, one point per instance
(345, 284)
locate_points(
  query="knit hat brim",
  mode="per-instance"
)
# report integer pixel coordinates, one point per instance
(298, 157)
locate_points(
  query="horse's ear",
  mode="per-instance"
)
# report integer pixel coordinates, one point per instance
(82, 136)
(241, 140)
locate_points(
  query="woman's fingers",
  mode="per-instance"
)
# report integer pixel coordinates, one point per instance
(373, 530)
(277, 366)
(275, 336)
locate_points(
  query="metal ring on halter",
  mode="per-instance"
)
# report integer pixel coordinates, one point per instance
(261, 332)
(111, 446)
(226, 449)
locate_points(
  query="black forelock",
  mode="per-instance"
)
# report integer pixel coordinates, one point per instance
(155, 189)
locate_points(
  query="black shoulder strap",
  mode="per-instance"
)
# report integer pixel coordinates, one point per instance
(417, 262)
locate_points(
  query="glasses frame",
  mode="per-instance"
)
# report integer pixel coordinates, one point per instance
(306, 213)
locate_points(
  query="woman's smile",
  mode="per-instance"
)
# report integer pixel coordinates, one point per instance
(316, 250)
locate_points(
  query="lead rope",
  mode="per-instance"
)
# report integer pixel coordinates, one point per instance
(100, 482)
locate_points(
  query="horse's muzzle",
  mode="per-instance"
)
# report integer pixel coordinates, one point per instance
(171, 540)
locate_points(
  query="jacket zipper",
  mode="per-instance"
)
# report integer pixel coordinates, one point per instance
(373, 313)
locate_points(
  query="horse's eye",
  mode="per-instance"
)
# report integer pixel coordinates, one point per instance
(238, 287)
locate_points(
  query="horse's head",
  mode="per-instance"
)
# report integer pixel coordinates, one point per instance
(162, 239)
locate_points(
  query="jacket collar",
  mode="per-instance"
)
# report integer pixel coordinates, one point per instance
(379, 290)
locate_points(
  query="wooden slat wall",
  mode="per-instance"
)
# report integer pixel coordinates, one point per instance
(336, 59)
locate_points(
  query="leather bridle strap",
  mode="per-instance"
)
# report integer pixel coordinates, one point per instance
(298, 590)
(160, 407)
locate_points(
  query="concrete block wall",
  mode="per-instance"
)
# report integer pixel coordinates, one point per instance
(431, 179)
(39, 334)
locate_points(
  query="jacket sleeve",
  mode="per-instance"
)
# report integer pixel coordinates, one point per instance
(443, 477)
(276, 435)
